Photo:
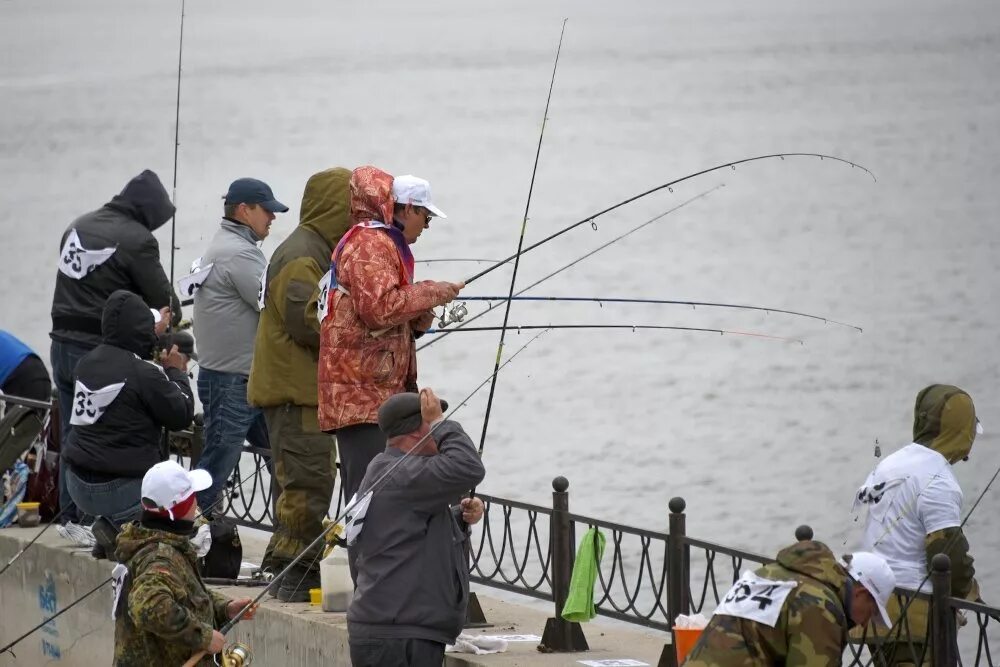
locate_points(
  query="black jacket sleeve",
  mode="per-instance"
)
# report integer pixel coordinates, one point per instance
(150, 280)
(167, 394)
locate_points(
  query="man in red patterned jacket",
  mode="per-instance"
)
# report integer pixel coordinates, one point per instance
(367, 351)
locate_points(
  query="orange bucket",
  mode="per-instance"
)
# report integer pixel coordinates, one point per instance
(684, 641)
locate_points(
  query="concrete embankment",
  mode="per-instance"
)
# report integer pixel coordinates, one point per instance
(52, 574)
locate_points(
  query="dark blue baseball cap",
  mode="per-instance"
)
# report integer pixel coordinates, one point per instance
(253, 191)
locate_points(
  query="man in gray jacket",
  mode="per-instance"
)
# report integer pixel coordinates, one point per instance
(227, 306)
(413, 578)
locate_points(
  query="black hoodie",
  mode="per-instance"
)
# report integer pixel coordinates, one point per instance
(125, 440)
(126, 223)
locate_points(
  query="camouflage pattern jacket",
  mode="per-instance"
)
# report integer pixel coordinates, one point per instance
(811, 628)
(170, 614)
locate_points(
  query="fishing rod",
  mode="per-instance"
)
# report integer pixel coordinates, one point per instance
(602, 300)
(371, 492)
(879, 651)
(520, 245)
(576, 261)
(633, 327)
(104, 583)
(177, 143)
(666, 186)
(51, 523)
(477, 260)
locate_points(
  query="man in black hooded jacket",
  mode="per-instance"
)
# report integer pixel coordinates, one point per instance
(105, 250)
(121, 403)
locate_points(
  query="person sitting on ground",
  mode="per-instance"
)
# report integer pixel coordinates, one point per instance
(795, 611)
(413, 578)
(121, 404)
(163, 612)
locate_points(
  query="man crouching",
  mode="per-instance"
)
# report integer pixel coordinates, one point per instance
(413, 577)
(163, 612)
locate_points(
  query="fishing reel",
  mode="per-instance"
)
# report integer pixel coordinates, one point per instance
(454, 314)
(235, 655)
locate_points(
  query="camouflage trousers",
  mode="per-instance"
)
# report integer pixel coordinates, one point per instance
(304, 472)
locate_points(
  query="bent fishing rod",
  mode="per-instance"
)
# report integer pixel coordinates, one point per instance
(633, 327)
(600, 300)
(463, 324)
(520, 245)
(379, 481)
(666, 186)
(104, 583)
(880, 649)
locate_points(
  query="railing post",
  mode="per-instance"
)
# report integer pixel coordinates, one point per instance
(678, 575)
(943, 627)
(561, 635)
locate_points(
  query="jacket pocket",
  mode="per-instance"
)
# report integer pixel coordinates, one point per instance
(378, 364)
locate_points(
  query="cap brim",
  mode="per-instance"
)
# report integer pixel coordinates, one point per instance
(274, 206)
(435, 211)
(444, 405)
(192, 355)
(883, 613)
(200, 479)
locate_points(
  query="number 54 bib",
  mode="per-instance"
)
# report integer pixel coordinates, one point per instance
(756, 599)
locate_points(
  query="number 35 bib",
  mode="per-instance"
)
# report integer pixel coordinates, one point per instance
(756, 599)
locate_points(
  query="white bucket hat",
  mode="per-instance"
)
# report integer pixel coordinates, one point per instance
(167, 484)
(872, 572)
(416, 191)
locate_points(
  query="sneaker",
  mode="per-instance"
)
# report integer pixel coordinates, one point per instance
(296, 584)
(80, 536)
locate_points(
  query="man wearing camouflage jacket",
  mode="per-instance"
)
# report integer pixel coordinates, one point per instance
(796, 611)
(164, 614)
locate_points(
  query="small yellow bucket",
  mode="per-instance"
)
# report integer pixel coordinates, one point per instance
(315, 596)
(27, 515)
(684, 641)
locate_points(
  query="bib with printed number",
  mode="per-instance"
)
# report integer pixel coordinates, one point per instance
(323, 304)
(76, 261)
(756, 599)
(354, 518)
(118, 576)
(192, 282)
(89, 405)
(262, 289)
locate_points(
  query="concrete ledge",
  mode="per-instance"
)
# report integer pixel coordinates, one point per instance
(52, 574)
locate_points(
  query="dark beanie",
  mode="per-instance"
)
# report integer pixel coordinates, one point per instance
(400, 414)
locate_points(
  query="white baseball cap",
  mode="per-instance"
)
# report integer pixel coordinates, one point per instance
(168, 484)
(412, 190)
(872, 572)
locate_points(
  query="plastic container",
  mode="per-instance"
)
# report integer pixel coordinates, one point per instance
(315, 596)
(335, 581)
(684, 641)
(27, 515)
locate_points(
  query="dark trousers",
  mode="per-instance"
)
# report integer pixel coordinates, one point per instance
(358, 445)
(64, 357)
(396, 653)
(304, 473)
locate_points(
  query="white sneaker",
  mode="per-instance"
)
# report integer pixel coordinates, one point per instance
(80, 536)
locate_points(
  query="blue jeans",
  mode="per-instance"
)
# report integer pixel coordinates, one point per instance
(228, 421)
(64, 357)
(116, 499)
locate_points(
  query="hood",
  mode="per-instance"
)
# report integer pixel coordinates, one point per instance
(134, 536)
(127, 322)
(944, 419)
(371, 195)
(814, 559)
(145, 199)
(326, 204)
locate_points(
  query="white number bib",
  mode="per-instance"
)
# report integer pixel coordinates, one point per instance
(756, 599)
(89, 405)
(263, 288)
(354, 517)
(76, 261)
(323, 304)
(190, 283)
(117, 582)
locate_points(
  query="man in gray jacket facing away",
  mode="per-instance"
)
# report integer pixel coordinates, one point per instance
(413, 578)
(226, 309)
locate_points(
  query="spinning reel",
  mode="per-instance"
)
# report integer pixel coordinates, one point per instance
(451, 315)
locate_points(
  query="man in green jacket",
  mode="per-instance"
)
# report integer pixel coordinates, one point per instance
(163, 612)
(283, 377)
(796, 611)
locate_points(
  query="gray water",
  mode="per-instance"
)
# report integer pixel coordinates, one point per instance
(757, 435)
